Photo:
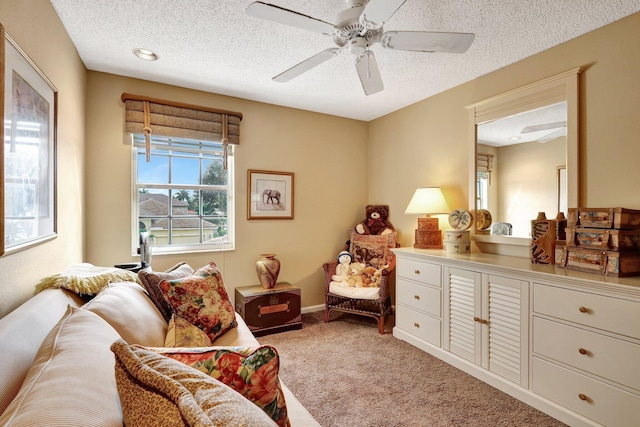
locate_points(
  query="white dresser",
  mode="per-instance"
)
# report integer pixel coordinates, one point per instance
(565, 342)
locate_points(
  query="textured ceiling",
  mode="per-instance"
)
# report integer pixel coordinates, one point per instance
(213, 45)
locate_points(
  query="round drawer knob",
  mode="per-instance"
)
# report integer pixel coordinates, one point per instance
(416, 271)
(582, 351)
(416, 297)
(583, 396)
(583, 309)
(417, 325)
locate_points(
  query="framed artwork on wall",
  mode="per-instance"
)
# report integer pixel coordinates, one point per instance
(28, 187)
(270, 194)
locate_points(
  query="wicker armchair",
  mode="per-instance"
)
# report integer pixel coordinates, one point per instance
(377, 308)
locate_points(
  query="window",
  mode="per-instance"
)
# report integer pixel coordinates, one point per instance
(482, 190)
(183, 196)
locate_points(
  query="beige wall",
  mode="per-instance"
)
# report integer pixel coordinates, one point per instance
(36, 28)
(527, 180)
(327, 154)
(340, 164)
(426, 144)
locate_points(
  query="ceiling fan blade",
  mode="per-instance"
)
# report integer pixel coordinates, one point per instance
(553, 135)
(288, 17)
(377, 12)
(306, 65)
(369, 73)
(544, 126)
(425, 41)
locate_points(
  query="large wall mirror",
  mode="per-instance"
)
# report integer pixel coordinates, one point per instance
(524, 158)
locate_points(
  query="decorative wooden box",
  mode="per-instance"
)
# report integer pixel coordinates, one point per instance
(606, 263)
(619, 218)
(269, 310)
(605, 239)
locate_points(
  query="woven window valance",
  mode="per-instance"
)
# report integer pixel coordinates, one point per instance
(145, 115)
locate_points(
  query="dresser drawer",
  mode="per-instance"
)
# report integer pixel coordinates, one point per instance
(607, 357)
(418, 324)
(596, 400)
(422, 272)
(419, 297)
(606, 313)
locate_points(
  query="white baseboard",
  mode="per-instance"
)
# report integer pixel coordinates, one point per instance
(312, 308)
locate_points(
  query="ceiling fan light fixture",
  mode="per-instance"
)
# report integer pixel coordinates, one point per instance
(146, 54)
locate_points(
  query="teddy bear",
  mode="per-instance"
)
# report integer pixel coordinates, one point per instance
(367, 276)
(355, 279)
(376, 221)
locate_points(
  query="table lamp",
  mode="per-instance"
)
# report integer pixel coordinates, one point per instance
(429, 201)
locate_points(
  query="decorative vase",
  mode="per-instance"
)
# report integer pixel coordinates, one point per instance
(543, 240)
(268, 268)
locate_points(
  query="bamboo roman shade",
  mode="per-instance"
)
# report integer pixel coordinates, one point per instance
(145, 115)
(484, 162)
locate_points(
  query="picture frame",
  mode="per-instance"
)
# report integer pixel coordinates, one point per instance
(28, 153)
(270, 194)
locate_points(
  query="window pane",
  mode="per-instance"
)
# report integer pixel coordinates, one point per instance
(153, 203)
(184, 170)
(214, 202)
(155, 171)
(214, 230)
(213, 173)
(184, 202)
(185, 231)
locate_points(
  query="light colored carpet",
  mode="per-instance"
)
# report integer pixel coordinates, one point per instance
(348, 375)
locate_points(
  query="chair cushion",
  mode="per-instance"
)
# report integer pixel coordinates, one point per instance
(157, 390)
(202, 300)
(127, 307)
(251, 371)
(151, 279)
(338, 288)
(71, 381)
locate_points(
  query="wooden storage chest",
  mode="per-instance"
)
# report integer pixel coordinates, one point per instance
(606, 239)
(619, 218)
(269, 310)
(604, 262)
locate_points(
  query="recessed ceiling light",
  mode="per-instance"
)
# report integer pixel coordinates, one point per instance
(146, 54)
(514, 138)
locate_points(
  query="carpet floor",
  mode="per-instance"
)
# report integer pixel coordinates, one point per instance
(348, 375)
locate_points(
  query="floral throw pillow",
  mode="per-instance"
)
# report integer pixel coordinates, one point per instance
(251, 371)
(181, 333)
(202, 300)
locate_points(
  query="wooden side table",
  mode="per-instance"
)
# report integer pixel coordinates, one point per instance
(269, 310)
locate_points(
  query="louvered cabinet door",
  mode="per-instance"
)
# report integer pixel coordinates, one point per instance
(463, 293)
(505, 337)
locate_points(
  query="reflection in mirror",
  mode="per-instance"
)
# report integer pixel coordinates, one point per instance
(518, 159)
(524, 159)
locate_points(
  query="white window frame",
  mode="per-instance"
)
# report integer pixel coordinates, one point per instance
(227, 245)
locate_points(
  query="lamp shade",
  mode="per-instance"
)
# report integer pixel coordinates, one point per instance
(428, 200)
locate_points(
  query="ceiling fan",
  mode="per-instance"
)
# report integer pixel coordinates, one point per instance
(356, 30)
(558, 129)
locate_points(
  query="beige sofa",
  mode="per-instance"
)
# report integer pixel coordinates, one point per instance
(56, 365)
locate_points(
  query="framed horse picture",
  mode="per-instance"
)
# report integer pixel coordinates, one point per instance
(270, 194)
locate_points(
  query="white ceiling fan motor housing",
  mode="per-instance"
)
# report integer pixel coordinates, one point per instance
(358, 45)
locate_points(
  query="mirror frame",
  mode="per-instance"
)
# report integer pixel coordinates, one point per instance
(558, 88)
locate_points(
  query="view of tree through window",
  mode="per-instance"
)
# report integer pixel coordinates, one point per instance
(183, 195)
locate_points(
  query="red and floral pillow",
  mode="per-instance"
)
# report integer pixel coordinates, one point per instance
(202, 300)
(251, 371)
